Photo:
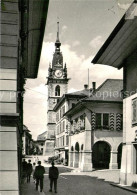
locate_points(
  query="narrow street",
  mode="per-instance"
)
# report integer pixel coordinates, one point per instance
(83, 185)
(72, 184)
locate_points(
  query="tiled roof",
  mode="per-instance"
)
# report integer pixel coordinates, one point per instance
(42, 136)
(80, 93)
(110, 90)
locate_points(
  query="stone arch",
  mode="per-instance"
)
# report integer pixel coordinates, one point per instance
(76, 155)
(57, 90)
(72, 148)
(101, 155)
(119, 155)
(77, 147)
(82, 147)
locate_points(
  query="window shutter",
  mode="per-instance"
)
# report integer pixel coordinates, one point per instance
(111, 121)
(134, 111)
(93, 120)
(118, 121)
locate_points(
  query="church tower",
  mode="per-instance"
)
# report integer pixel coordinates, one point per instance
(57, 83)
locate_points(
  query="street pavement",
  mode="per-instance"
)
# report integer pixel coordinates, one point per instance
(73, 184)
(76, 185)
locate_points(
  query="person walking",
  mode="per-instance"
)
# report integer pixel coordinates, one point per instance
(24, 170)
(53, 176)
(33, 170)
(29, 170)
(39, 175)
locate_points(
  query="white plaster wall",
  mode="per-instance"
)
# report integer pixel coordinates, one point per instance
(112, 137)
(77, 138)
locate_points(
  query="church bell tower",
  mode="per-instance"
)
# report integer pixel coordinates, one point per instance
(57, 83)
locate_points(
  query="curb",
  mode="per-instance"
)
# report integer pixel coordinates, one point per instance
(128, 188)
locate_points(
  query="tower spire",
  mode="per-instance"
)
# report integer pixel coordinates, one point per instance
(57, 32)
(57, 43)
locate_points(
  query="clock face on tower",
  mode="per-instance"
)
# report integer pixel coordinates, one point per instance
(58, 73)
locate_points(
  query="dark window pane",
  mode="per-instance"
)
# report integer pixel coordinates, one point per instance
(105, 120)
(98, 120)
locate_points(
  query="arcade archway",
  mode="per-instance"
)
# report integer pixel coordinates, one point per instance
(119, 155)
(101, 155)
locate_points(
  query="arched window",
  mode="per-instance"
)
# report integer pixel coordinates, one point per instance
(57, 90)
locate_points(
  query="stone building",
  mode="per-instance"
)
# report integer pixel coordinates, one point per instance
(41, 142)
(57, 83)
(22, 30)
(122, 43)
(95, 128)
(66, 102)
(27, 141)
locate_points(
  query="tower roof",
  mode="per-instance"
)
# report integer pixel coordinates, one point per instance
(57, 43)
(57, 56)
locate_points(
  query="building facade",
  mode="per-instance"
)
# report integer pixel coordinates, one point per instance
(95, 137)
(19, 60)
(66, 102)
(41, 143)
(57, 83)
(124, 54)
(27, 141)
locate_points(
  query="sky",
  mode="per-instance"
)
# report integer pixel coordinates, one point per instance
(84, 27)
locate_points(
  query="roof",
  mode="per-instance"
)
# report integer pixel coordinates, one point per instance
(122, 42)
(25, 128)
(78, 94)
(42, 136)
(83, 92)
(32, 34)
(109, 91)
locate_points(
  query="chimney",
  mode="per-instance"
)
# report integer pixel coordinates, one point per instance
(85, 86)
(94, 86)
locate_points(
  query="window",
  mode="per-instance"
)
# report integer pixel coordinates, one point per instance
(63, 139)
(98, 121)
(57, 129)
(67, 140)
(134, 111)
(63, 125)
(57, 117)
(102, 120)
(73, 105)
(105, 121)
(57, 90)
(63, 110)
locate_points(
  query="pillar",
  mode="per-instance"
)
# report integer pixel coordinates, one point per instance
(76, 159)
(113, 160)
(71, 159)
(86, 164)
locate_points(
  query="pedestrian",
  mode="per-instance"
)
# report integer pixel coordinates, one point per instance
(33, 170)
(53, 176)
(39, 175)
(24, 170)
(29, 170)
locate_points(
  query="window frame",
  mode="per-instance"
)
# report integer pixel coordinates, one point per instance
(102, 120)
(134, 122)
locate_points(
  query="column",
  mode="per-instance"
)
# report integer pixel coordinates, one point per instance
(113, 160)
(71, 159)
(76, 159)
(86, 164)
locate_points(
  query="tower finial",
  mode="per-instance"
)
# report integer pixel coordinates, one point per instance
(58, 29)
(57, 43)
